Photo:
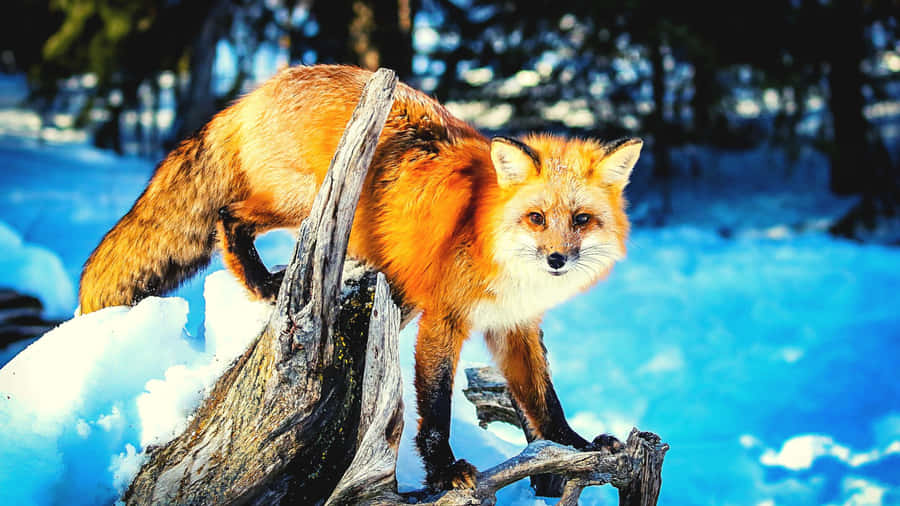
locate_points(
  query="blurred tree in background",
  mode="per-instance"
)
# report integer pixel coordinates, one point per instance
(728, 74)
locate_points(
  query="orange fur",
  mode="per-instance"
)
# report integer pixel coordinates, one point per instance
(451, 230)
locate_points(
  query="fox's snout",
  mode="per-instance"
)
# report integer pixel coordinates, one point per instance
(556, 260)
(559, 260)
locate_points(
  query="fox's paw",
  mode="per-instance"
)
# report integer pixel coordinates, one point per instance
(459, 474)
(605, 443)
(269, 289)
(275, 280)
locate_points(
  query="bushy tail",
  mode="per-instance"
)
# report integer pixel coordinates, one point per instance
(168, 235)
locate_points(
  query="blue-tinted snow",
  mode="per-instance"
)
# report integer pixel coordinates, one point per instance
(80, 404)
(768, 364)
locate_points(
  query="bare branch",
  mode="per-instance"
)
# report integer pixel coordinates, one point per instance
(487, 391)
(639, 487)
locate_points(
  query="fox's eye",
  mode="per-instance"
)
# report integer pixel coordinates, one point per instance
(536, 218)
(582, 219)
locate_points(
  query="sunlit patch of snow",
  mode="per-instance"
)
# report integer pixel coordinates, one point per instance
(771, 99)
(629, 122)
(478, 76)
(227, 330)
(82, 428)
(425, 39)
(495, 117)
(891, 61)
(791, 354)
(125, 466)
(34, 270)
(883, 109)
(510, 88)
(508, 433)
(588, 423)
(669, 360)
(800, 452)
(19, 122)
(862, 492)
(747, 108)
(527, 78)
(748, 441)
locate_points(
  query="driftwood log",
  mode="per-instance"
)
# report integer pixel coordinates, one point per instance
(311, 413)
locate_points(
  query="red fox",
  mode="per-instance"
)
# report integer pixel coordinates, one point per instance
(479, 235)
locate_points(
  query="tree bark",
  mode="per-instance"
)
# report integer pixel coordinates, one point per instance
(662, 166)
(851, 166)
(199, 104)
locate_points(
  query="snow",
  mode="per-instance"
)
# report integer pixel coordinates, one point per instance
(761, 349)
(66, 399)
(37, 271)
(122, 379)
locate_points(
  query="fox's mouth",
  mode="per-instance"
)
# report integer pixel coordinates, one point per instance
(558, 273)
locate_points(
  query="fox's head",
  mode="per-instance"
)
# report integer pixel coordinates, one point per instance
(564, 212)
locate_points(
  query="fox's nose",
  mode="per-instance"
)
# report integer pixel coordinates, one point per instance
(556, 260)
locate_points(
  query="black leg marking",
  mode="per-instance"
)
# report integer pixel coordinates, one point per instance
(433, 438)
(555, 427)
(442, 470)
(239, 241)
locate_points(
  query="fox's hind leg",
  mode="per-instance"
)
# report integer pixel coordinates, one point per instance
(238, 225)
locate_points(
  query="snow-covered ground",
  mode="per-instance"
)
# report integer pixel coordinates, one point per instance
(766, 359)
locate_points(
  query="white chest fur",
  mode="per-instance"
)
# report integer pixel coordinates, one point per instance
(521, 299)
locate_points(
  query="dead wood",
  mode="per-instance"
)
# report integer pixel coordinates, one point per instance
(493, 403)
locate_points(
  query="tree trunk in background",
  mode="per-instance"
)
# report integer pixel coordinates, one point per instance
(393, 34)
(332, 42)
(198, 104)
(704, 99)
(860, 164)
(662, 168)
(380, 35)
(851, 166)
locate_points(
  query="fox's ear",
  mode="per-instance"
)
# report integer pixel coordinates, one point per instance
(620, 160)
(513, 161)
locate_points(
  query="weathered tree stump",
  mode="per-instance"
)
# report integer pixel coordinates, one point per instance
(312, 412)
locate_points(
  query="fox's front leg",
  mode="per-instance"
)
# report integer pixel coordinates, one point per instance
(521, 356)
(437, 352)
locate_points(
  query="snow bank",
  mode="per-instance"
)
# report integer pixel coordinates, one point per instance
(67, 409)
(79, 405)
(35, 270)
